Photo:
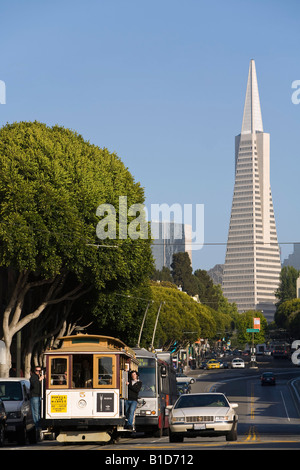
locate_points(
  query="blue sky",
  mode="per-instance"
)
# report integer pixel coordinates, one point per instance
(162, 84)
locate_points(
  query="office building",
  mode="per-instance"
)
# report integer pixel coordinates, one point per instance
(170, 238)
(252, 262)
(294, 258)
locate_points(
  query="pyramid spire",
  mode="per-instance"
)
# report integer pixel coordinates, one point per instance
(252, 120)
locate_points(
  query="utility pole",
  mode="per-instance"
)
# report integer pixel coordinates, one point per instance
(156, 321)
(142, 325)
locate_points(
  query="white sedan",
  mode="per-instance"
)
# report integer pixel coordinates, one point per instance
(237, 363)
(202, 414)
(184, 378)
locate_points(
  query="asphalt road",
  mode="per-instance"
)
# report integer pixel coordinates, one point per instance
(269, 419)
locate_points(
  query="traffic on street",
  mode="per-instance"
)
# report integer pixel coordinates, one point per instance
(268, 417)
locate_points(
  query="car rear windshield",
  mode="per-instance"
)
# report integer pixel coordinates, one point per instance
(194, 401)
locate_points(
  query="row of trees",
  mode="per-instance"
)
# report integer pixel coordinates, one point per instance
(53, 268)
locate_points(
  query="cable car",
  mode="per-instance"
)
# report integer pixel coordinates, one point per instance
(85, 388)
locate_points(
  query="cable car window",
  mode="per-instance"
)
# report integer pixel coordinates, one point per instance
(59, 372)
(82, 371)
(104, 368)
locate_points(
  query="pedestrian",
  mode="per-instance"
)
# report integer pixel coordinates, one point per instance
(134, 386)
(35, 394)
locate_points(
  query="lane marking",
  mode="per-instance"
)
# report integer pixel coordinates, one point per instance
(252, 416)
(286, 411)
(252, 435)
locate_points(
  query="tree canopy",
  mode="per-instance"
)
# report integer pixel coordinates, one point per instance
(181, 318)
(287, 316)
(51, 183)
(245, 321)
(287, 286)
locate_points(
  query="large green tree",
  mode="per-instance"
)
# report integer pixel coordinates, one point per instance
(287, 287)
(245, 321)
(182, 272)
(286, 313)
(52, 182)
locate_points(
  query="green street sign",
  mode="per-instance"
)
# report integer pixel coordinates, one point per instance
(252, 330)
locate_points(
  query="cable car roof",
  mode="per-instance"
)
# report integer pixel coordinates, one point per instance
(92, 343)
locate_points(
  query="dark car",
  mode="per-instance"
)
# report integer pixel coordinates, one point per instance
(183, 387)
(3, 424)
(268, 378)
(224, 365)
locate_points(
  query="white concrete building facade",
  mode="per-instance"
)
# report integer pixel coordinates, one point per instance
(252, 262)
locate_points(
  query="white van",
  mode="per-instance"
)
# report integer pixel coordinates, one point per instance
(15, 394)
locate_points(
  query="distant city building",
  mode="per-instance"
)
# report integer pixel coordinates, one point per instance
(170, 238)
(252, 263)
(294, 258)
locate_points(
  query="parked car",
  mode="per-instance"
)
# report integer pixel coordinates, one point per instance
(237, 363)
(14, 392)
(3, 423)
(202, 414)
(184, 378)
(268, 378)
(224, 364)
(213, 364)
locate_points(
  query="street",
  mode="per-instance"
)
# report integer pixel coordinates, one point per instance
(268, 416)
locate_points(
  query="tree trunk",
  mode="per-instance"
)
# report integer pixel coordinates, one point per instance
(14, 321)
(27, 364)
(4, 368)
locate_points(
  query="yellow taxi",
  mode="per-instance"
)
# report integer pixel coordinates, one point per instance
(212, 364)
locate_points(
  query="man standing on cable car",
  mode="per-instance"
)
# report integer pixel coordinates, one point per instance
(134, 386)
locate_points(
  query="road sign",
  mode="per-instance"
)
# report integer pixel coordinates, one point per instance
(252, 330)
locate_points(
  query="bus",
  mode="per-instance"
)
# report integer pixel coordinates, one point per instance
(158, 390)
(85, 388)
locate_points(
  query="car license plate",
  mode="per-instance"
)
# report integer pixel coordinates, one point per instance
(199, 426)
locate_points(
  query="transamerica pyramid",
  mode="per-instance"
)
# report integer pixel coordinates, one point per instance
(252, 262)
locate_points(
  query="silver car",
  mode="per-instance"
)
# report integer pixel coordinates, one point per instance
(202, 414)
